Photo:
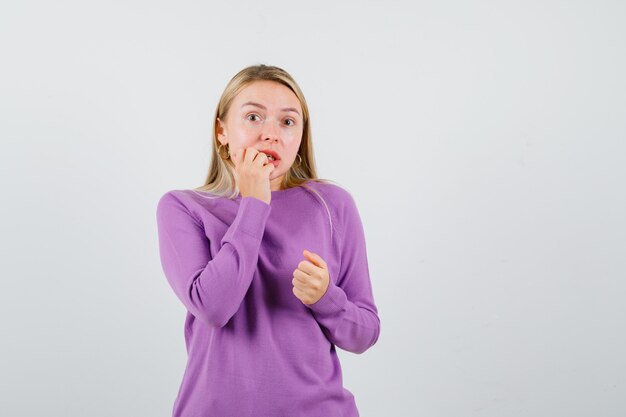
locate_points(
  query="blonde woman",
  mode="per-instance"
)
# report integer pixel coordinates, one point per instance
(270, 263)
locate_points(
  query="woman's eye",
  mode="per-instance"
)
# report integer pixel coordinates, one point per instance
(293, 122)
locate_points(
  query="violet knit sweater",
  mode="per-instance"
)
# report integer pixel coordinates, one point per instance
(255, 349)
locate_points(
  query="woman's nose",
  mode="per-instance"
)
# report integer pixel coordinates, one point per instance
(269, 129)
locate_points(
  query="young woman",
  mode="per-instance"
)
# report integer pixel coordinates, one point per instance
(270, 263)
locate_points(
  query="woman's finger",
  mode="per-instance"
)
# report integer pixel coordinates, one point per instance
(260, 158)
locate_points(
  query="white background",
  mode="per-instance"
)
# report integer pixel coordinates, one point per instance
(483, 142)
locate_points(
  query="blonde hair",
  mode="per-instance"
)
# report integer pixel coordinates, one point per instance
(220, 180)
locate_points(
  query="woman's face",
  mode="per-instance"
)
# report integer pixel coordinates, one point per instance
(265, 115)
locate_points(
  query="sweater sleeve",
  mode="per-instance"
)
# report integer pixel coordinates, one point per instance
(347, 312)
(211, 289)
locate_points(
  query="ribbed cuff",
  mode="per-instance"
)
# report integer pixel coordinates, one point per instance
(250, 219)
(332, 302)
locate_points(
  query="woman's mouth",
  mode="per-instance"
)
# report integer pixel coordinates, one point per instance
(271, 159)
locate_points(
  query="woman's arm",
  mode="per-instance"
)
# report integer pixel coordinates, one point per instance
(347, 311)
(211, 289)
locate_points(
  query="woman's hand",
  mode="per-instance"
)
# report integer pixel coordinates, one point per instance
(311, 278)
(252, 173)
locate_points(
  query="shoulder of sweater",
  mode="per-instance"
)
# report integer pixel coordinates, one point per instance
(337, 194)
(173, 198)
(193, 198)
(189, 200)
(178, 196)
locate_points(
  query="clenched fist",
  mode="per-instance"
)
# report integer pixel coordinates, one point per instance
(311, 278)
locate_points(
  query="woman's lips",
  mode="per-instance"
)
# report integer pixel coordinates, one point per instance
(273, 154)
(270, 152)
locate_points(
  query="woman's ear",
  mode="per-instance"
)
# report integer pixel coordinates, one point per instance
(221, 131)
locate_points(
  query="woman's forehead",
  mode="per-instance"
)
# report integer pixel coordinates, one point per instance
(268, 93)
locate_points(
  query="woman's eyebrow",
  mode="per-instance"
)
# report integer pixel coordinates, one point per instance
(252, 103)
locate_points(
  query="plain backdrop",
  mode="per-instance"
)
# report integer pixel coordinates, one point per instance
(483, 142)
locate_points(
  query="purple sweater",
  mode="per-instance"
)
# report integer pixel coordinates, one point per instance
(254, 349)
